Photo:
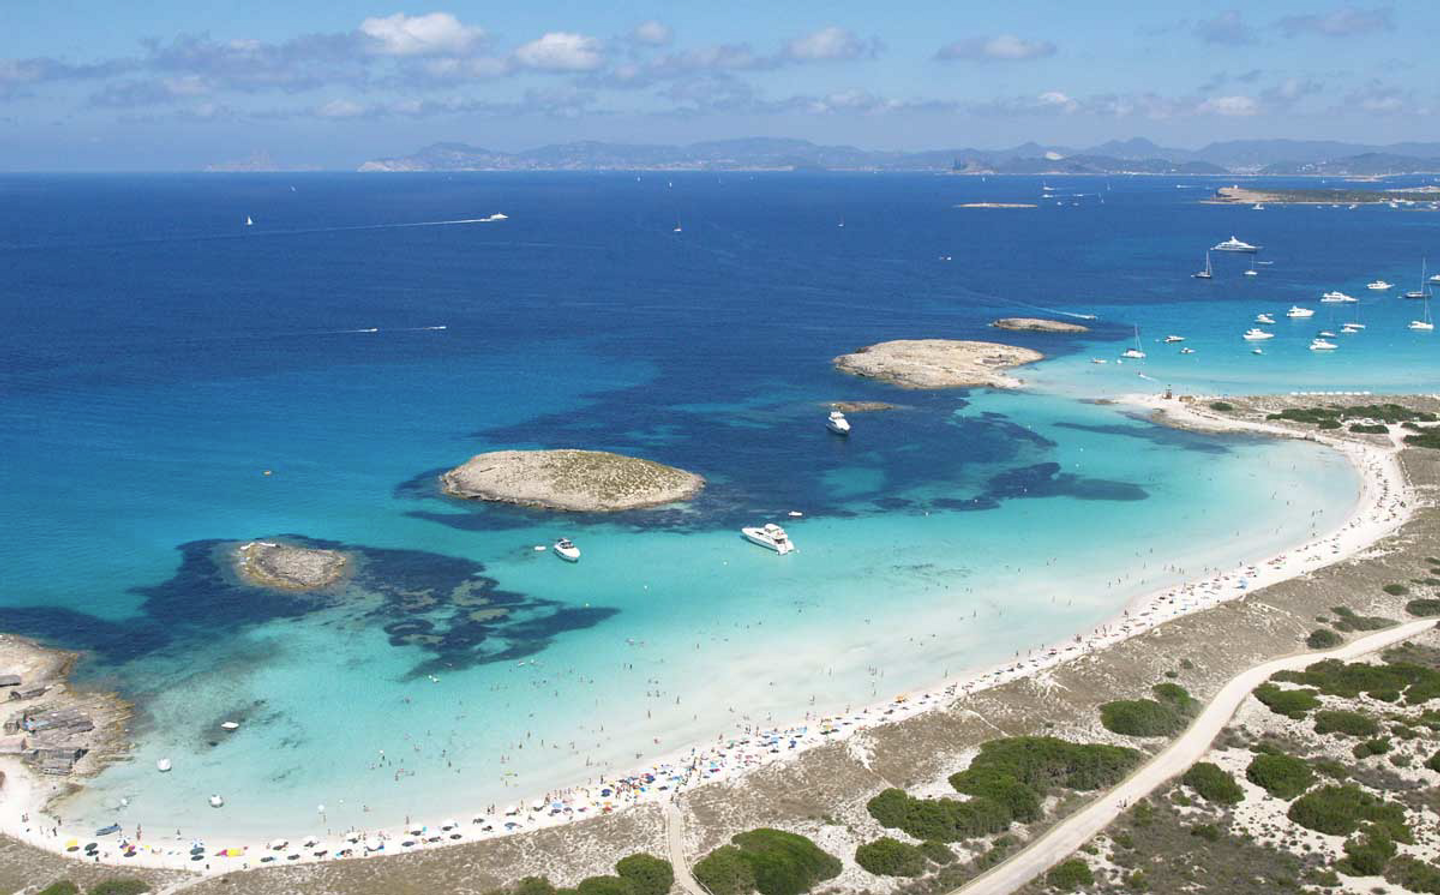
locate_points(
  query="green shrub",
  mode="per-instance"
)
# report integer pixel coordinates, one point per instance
(937, 852)
(1282, 776)
(1413, 875)
(1339, 811)
(1067, 876)
(944, 820)
(772, 862)
(1367, 854)
(1346, 723)
(1208, 832)
(1377, 429)
(534, 885)
(999, 786)
(725, 871)
(60, 887)
(1396, 590)
(1424, 607)
(604, 885)
(1348, 620)
(1323, 638)
(1290, 703)
(1331, 768)
(1041, 764)
(646, 874)
(1222, 406)
(119, 887)
(1418, 683)
(1433, 762)
(1142, 718)
(1213, 783)
(1377, 746)
(890, 857)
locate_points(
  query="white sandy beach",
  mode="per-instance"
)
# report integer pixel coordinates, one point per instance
(1384, 504)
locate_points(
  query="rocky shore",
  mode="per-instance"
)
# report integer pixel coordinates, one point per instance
(572, 480)
(938, 363)
(1038, 325)
(862, 406)
(289, 567)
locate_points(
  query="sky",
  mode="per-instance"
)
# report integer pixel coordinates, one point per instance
(181, 84)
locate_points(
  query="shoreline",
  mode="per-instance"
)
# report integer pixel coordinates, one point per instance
(1385, 502)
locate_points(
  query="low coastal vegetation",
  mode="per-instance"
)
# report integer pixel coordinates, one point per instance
(1166, 715)
(1347, 619)
(1413, 683)
(1335, 414)
(1345, 723)
(1323, 638)
(1018, 772)
(1424, 607)
(1070, 875)
(941, 820)
(106, 887)
(1213, 783)
(771, 862)
(891, 857)
(637, 874)
(1292, 703)
(1340, 810)
(1282, 776)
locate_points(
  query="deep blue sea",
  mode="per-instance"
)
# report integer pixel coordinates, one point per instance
(159, 356)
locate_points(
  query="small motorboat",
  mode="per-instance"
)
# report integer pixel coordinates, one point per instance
(1170, 340)
(217, 802)
(1255, 334)
(566, 550)
(1256, 351)
(1322, 345)
(230, 726)
(1264, 318)
(163, 765)
(1187, 350)
(837, 423)
(1297, 312)
(108, 831)
(1331, 298)
(1379, 285)
(1098, 360)
(1326, 334)
(769, 536)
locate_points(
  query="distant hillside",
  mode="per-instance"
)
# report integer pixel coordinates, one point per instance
(1137, 156)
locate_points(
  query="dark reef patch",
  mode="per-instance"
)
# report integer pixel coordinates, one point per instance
(1160, 435)
(442, 605)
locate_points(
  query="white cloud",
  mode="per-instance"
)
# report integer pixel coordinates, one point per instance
(652, 34)
(1057, 100)
(340, 108)
(1234, 106)
(433, 34)
(562, 51)
(829, 44)
(1001, 48)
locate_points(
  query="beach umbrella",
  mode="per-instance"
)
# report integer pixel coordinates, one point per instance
(415, 830)
(277, 844)
(539, 805)
(311, 841)
(352, 837)
(72, 845)
(448, 824)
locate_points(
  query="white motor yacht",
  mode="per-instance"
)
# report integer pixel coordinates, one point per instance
(1331, 298)
(163, 765)
(837, 423)
(1264, 318)
(1326, 334)
(1170, 340)
(566, 550)
(1187, 350)
(1379, 285)
(1298, 311)
(1256, 351)
(1349, 329)
(1322, 345)
(1234, 245)
(770, 536)
(1255, 334)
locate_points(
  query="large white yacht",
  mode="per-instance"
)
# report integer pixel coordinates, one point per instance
(837, 423)
(1264, 318)
(1170, 340)
(566, 550)
(1321, 345)
(1234, 245)
(770, 536)
(1337, 297)
(1297, 311)
(1255, 334)
(1379, 285)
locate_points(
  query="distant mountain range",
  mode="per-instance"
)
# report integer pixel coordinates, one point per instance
(1138, 155)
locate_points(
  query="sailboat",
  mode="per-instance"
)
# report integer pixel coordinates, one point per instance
(1424, 290)
(1207, 273)
(248, 221)
(678, 228)
(1135, 352)
(1424, 324)
(1252, 272)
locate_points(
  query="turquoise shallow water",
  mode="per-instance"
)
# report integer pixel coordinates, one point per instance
(159, 361)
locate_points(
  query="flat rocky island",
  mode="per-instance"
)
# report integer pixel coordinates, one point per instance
(288, 566)
(574, 480)
(1038, 325)
(938, 363)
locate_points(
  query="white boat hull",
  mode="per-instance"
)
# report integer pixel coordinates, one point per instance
(758, 536)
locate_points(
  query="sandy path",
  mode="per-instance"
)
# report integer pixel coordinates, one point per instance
(675, 841)
(1063, 839)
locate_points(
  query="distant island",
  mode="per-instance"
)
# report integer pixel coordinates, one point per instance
(1237, 195)
(1136, 156)
(1038, 325)
(572, 480)
(938, 363)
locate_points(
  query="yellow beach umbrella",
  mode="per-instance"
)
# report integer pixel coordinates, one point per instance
(72, 845)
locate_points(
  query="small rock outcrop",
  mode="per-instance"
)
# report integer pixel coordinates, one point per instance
(1038, 325)
(573, 480)
(288, 566)
(938, 363)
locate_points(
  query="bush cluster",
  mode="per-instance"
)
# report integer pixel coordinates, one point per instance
(1165, 715)
(1423, 607)
(890, 857)
(637, 874)
(1367, 854)
(1067, 876)
(1348, 620)
(1346, 723)
(1339, 811)
(1323, 638)
(1042, 763)
(1387, 682)
(120, 887)
(771, 862)
(1290, 703)
(1282, 776)
(942, 820)
(1413, 875)
(1377, 746)
(1213, 783)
